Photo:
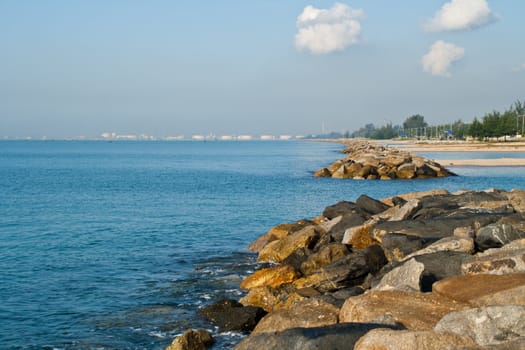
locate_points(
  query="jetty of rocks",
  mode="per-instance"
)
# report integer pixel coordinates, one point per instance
(427, 270)
(371, 161)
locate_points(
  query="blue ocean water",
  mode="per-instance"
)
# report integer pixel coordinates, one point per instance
(115, 245)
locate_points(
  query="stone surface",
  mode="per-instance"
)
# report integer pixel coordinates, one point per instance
(497, 235)
(447, 244)
(359, 236)
(348, 271)
(230, 315)
(270, 299)
(192, 340)
(271, 276)
(483, 290)
(397, 245)
(307, 313)
(406, 277)
(517, 199)
(325, 256)
(370, 205)
(487, 325)
(338, 336)
(279, 250)
(386, 339)
(347, 221)
(277, 232)
(496, 261)
(339, 209)
(400, 212)
(416, 195)
(415, 311)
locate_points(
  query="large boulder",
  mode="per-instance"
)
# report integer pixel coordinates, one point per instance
(400, 212)
(406, 277)
(497, 235)
(348, 271)
(517, 199)
(406, 171)
(415, 311)
(432, 194)
(508, 259)
(307, 313)
(270, 299)
(347, 221)
(486, 325)
(387, 339)
(279, 250)
(192, 340)
(397, 245)
(230, 315)
(325, 256)
(359, 236)
(339, 209)
(370, 205)
(483, 289)
(337, 336)
(277, 232)
(272, 276)
(447, 244)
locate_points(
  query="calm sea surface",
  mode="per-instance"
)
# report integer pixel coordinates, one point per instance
(115, 245)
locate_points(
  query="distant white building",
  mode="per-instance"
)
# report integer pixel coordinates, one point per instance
(226, 138)
(285, 137)
(245, 137)
(267, 137)
(198, 137)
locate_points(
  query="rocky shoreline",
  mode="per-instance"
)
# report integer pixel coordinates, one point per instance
(371, 161)
(428, 270)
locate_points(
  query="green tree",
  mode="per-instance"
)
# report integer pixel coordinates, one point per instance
(476, 129)
(415, 121)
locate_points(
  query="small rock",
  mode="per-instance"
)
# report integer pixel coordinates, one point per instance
(398, 213)
(326, 255)
(279, 250)
(192, 340)
(497, 235)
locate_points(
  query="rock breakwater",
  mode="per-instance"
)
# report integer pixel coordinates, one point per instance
(370, 161)
(427, 270)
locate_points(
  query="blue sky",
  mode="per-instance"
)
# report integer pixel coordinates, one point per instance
(71, 67)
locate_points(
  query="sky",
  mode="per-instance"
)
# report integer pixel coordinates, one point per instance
(73, 68)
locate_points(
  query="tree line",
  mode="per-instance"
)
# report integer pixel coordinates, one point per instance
(492, 125)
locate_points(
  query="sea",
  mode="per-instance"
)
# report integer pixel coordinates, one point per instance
(117, 245)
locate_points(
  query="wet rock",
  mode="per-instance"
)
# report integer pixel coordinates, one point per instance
(484, 290)
(370, 205)
(415, 311)
(307, 313)
(386, 339)
(192, 340)
(397, 245)
(348, 271)
(271, 276)
(497, 235)
(326, 255)
(406, 277)
(279, 250)
(230, 315)
(486, 325)
(338, 336)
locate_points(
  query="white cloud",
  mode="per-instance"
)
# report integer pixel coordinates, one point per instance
(461, 15)
(328, 30)
(441, 55)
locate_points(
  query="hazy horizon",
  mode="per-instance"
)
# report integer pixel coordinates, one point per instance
(168, 68)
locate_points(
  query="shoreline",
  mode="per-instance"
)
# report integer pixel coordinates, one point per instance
(419, 147)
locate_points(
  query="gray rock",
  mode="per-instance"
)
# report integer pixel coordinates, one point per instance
(339, 209)
(370, 205)
(487, 325)
(397, 245)
(338, 336)
(406, 277)
(450, 244)
(347, 221)
(497, 235)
